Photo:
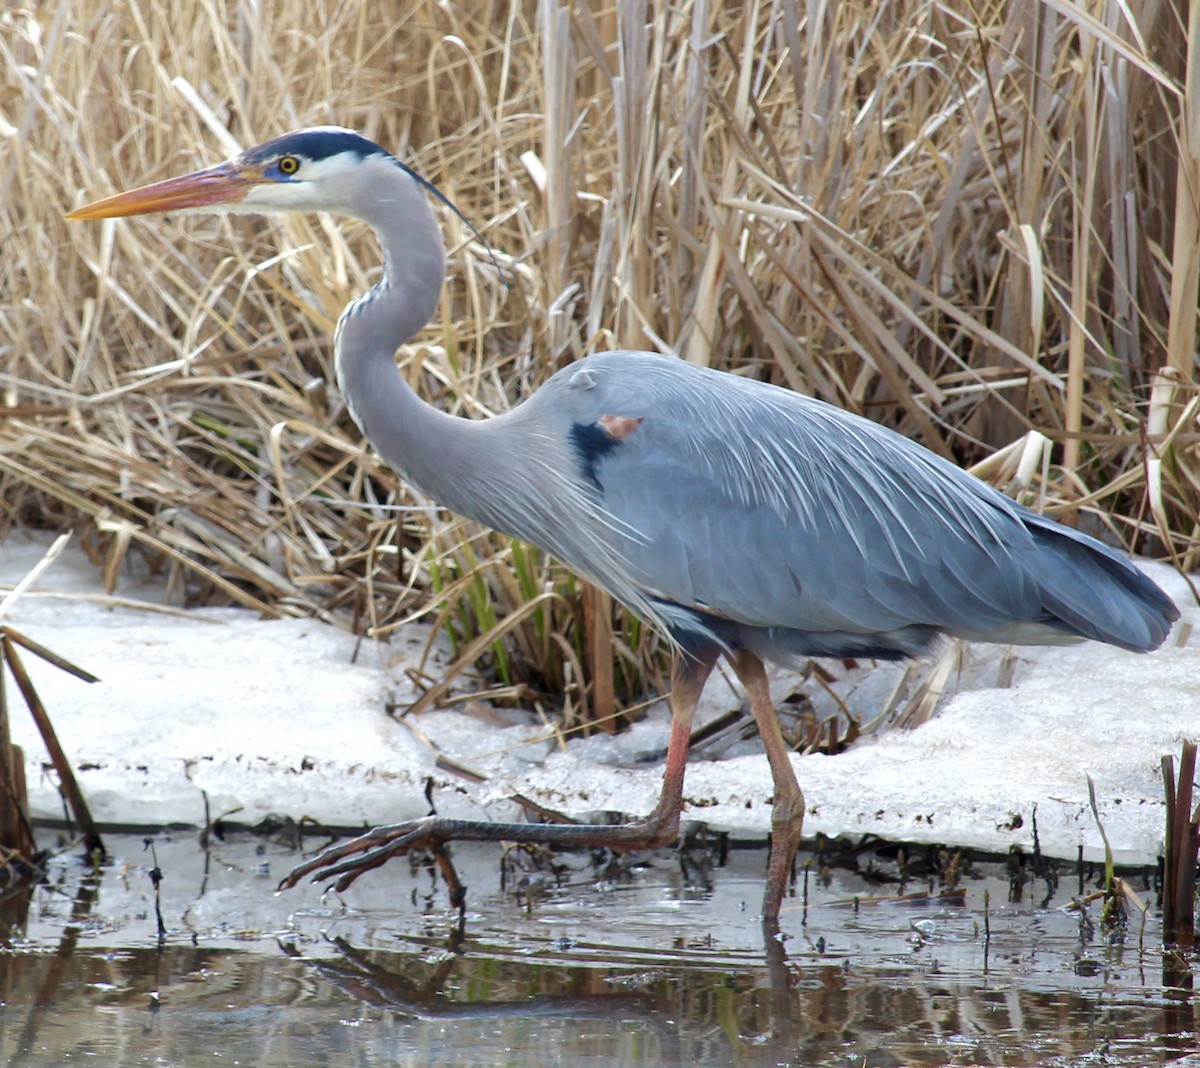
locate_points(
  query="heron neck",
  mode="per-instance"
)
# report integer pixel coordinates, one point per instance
(431, 449)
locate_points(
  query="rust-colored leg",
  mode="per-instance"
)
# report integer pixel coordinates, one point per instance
(688, 676)
(348, 860)
(787, 813)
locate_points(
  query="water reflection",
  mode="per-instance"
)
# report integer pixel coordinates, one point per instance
(632, 969)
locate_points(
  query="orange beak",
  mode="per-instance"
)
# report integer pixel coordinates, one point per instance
(223, 184)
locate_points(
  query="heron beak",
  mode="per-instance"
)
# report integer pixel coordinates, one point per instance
(223, 184)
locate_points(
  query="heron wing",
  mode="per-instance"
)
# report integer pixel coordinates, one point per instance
(773, 510)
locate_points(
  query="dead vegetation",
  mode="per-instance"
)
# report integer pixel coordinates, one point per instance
(966, 226)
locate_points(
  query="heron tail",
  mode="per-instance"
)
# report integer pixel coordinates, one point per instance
(1091, 591)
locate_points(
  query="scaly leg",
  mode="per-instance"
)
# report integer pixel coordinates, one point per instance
(348, 860)
(787, 813)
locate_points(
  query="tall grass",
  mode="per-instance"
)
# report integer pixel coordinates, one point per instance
(966, 226)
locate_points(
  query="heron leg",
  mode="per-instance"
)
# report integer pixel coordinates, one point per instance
(787, 812)
(689, 673)
(346, 861)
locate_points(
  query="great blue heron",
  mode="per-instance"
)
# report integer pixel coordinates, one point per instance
(744, 520)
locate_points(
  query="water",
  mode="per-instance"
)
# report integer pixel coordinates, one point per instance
(628, 965)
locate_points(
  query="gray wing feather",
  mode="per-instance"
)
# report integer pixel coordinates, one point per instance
(773, 510)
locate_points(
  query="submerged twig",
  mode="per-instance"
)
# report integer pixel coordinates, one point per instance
(156, 878)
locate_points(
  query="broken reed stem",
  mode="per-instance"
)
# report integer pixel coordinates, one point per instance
(1185, 261)
(16, 835)
(597, 616)
(1182, 850)
(66, 777)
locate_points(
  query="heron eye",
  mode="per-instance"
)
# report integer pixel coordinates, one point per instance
(289, 165)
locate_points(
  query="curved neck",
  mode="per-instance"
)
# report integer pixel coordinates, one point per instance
(427, 447)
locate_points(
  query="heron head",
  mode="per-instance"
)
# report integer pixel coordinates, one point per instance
(317, 169)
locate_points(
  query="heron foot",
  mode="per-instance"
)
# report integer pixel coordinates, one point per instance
(346, 861)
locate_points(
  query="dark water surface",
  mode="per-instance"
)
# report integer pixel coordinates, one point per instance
(638, 965)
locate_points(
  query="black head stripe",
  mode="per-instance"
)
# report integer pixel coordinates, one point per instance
(316, 144)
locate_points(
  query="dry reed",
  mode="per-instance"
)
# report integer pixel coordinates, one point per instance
(964, 225)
